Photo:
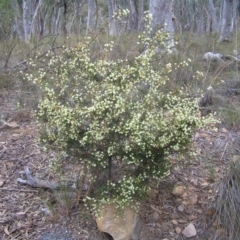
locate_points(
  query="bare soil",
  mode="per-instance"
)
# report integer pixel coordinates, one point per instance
(26, 213)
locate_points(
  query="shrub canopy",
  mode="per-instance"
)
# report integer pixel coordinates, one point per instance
(115, 115)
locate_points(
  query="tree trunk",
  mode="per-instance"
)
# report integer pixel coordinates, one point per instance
(133, 16)
(90, 17)
(58, 12)
(234, 18)
(27, 19)
(162, 17)
(64, 24)
(18, 20)
(140, 15)
(31, 20)
(113, 23)
(201, 19)
(214, 26)
(226, 22)
(36, 24)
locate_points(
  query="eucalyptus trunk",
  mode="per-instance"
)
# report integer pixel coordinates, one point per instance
(226, 21)
(90, 17)
(162, 18)
(133, 16)
(214, 25)
(113, 22)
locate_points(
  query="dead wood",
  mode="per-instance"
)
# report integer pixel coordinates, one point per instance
(37, 183)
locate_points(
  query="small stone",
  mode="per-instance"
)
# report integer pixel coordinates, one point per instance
(178, 190)
(178, 230)
(180, 208)
(175, 222)
(190, 231)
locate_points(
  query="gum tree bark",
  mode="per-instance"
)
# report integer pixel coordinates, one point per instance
(162, 17)
(31, 10)
(214, 27)
(133, 16)
(226, 21)
(90, 17)
(18, 20)
(140, 14)
(113, 23)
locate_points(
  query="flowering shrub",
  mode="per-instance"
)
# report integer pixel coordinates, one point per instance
(115, 117)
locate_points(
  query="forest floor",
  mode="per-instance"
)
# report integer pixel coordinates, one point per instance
(25, 212)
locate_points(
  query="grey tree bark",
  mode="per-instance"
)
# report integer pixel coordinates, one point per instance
(30, 18)
(27, 18)
(214, 27)
(18, 20)
(113, 23)
(234, 18)
(90, 17)
(201, 19)
(35, 26)
(140, 14)
(226, 21)
(133, 16)
(162, 17)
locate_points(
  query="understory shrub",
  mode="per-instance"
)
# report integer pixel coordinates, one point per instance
(115, 116)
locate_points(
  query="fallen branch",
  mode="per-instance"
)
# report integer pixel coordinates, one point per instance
(37, 183)
(17, 190)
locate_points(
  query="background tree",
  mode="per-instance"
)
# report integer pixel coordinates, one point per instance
(112, 20)
(90, 17)
(162, 18)
(226, 21)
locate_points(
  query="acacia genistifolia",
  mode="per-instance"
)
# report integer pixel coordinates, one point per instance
(115, 117)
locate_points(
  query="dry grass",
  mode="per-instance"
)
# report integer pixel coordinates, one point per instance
(228, 203)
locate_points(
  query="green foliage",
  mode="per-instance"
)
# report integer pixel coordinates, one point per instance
(115, 116)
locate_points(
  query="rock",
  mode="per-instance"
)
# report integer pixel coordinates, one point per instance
(178, 230)
(180, 208)
(178, 190)
(126, 227)
(189, 231)
(175, 222)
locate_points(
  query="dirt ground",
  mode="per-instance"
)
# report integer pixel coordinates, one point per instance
(25, 212)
